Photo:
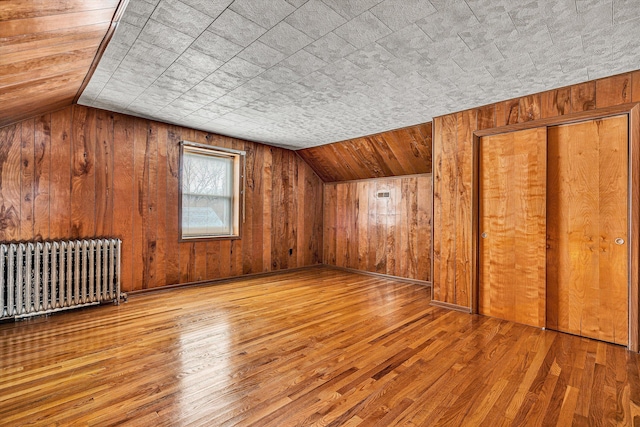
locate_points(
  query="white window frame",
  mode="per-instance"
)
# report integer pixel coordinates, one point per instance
(237, 205)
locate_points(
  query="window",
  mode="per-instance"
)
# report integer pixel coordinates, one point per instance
(211, 180)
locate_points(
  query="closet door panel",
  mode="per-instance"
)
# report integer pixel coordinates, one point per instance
(587, 270)
(512, 192)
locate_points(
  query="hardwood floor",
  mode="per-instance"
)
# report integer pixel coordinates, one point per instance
(312, 347)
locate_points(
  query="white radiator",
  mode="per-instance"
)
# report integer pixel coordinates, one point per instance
(43, 277)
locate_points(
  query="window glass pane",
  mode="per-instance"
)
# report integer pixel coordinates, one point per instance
(207, 195)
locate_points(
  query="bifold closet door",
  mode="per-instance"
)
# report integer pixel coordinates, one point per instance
(512, 216)
(587, 257)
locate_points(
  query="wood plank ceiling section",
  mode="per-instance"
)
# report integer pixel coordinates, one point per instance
(47, 49)
(397, 152)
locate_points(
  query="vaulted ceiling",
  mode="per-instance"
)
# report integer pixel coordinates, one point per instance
(301, 73)
(46, 51)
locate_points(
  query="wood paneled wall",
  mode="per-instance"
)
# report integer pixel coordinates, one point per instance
(381, 235)
(452, 160)
(46, 50)
(397, 152)
(83, 172)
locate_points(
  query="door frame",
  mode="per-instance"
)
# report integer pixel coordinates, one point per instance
(632, 110)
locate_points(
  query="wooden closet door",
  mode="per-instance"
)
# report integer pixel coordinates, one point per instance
(587, 271)
(512, 195)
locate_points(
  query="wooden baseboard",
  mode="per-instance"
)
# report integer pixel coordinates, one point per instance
(222, 280)
(450, 306)
(382, 276)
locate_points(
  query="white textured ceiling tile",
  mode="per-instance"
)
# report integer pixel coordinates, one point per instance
(515, 46)
(303, 62)
(584, 5)
(351, 8)
(266, 14)
(225, 80)
(231, 101)
(110, 63)
(154, 98)
(161, 35)
(363, 29)
(184, 105)
(407, 64)
(625, 10)
(245, 94)
(139, 73)
(260, 54)
(178, 77)
(441, 50)
(204, 93)
(137, 13)
(144, 52)
(241, 68)
(216, 46)
(315, 19)
(296, 3)
(371, 56)
(330, 47)
(201, 116)
(217, 109)
(597, 16)
(452, 17)
(236, 28)
(117, 96)
(182, 17)
(484, 9)
(285, 38)
(560, 51)
(212, 8)
(510, 66)
(198, 61)
(261, 85)
(397, 14)
(598, 43)
(405, 41)
(126, 34)
(494, 28)
(281, 75)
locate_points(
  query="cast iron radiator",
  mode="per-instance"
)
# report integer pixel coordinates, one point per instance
(43, 277)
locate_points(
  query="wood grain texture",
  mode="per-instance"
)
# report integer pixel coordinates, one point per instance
(389, 236)
(314, 347)
(587, 211)
(83, 172)
(397, 152)
(447, 168)
(512, 256)
(46, 50)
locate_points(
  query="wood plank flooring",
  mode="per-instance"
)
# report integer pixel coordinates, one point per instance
(313, 347)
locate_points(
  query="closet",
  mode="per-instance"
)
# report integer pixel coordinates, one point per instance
(553, 227)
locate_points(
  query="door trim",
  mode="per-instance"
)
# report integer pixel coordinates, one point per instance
(632, 110)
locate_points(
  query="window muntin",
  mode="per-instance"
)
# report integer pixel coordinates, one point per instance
(210, 192)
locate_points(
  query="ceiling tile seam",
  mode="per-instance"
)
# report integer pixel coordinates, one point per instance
(366, 10)
(128, 50)
(188, 47)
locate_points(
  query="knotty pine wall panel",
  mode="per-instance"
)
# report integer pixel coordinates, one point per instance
(453, 169)
(381, 235)
(83, 172)
(405, 151)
